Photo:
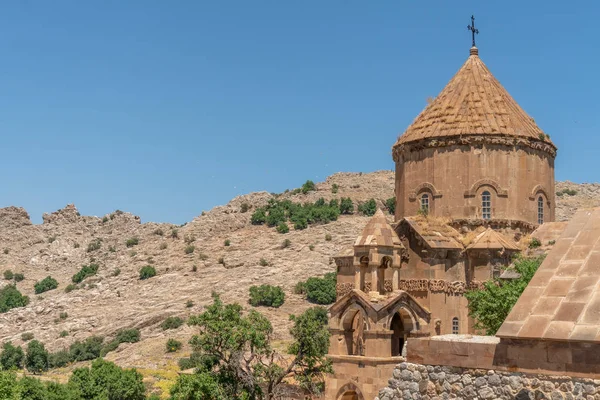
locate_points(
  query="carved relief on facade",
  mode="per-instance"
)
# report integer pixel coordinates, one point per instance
(457, 287)
(413, 284)
(343, 288)
(343, 262)
(437, 285)
(387, 285)
(473, 285)
(367, 287)
(433, 285)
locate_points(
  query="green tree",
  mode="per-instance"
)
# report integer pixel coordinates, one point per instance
(266, 295)
(84, 272)
(259, 216)
(308, 186)
(147, 272)
(48, 283)
(11, 357)
(106, 381)
(321, 290)
(171, 323)
(283, 228)
(236, 359)
(368, 208)
(89, 349)
(391, 205)
(490, 305)
(36, 359)
(346, 205)
(10, 298)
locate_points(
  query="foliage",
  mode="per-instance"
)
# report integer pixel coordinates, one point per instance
(391, 205)
(535, 242)
(490, 306)
(189, 249)
(173, 345)
(128, 336)
(70, 287)
(259, 216)
(94, 245)
(327, 237)
(147, 272)
(234, 358)
(59, 359)
(8, 275)
(189, 304)
(26, 336)
(283, 228)
(10, 297)
(89, 349)
(19, 277)
(244, 207)
(308, 186)
(174, 233)
(64, 334)
(277, 213)
(266, 295)
(368, 208)
(570, 192)
(321, 290)
(48, 283)
(105, 380)
(423, 211)
(286, 243)
(171, 323)
(334, 188)
(84, 272)
(11, 357)
(300, 288)
(132, 242)
(159, 232)
(227, 242)
(263, 262)
(36, 358)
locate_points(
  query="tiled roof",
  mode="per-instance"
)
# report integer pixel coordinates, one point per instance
(472, 103)
(378, 232)
(490, 239)
(562, 301)
(435, 235)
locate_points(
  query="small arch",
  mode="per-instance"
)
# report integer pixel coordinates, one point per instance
(354, 322)
(425, 186)
(401, 325)
(540, 211)
(349, 392)
(538, 189)
(425, 203)
(486, 182)
(486, 205)
(455, 326)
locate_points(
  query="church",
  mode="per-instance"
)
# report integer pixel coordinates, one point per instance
(474, 177)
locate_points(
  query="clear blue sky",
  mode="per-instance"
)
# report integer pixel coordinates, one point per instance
(167, 108)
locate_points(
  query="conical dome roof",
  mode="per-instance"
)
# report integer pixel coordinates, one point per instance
(378, 232)
(473, 103)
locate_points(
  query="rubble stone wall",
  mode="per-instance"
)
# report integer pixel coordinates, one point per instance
(416, 381)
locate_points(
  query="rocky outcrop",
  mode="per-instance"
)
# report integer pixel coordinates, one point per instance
(427, 382)
(67, 215)
(13, 217)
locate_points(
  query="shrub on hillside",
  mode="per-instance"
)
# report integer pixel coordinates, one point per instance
(368, 208)
(308, 186)
(535, 242)
(84, 272)
(36, 358)
(10, 298)
(334, 188)
(132, 242)
(391, 205)
(59, 359)
(11, 357)
(19, 277)
(171, 323)
(189, 249)
(8, 275)
(89, 349)
(283, 228)
(259, 216)
(94, 245)
(26, 336)
(346, 206)
(173, 345)
(128, 336)
(266, 295)
(48, 283)
(321, 290)
(147, 272)
(105, 380)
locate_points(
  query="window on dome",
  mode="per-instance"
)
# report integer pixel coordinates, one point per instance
(486, 205)
(425, 203)
(455, 326)
(540, 210)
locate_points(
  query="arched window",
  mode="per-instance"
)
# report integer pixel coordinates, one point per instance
(455, 326)
(540, 210)
(425, 203)
(486, 205)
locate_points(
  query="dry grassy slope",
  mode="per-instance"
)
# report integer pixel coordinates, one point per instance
(108, 303)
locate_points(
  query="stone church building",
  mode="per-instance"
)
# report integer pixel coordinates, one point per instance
(474, 178)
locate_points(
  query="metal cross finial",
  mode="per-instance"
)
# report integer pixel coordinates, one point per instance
(472, 29)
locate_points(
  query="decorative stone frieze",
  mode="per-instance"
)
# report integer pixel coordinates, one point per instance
(413, 284)
(343, 288)
(436, 285)
(387, 286)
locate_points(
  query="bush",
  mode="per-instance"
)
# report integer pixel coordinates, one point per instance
(63, 334)
(11, 357)
(94, 245)
(89, 349)
(36, 359)
(535, 242)
(105, 380)
(283, 228)
(308, 186)
(300, 288)
(116, 272)
(321, 290)
(84, 272)
(328, 237)
(286, 243)
(27, 336)
(128, 336)
(158, 232)
(346, 206)
(132, 242)
(227, 242)
(368, 208)
(70, 287)
(301, 223)
(189, 304)
(189, 249)
(8, 275)
(60, 359)
(48, 283)
(173, 345)
(171, 323)
(19, 277)
(391, 205)
(163, 246)
(6, 251)
(266, 295)
(147, 272)
(174, 233)
(334, 188)
(245, 207)
(311, 247)
(195, 359)
(263, 262)
(63, 315)
(10, 298)
(259, 216)
(108, 347)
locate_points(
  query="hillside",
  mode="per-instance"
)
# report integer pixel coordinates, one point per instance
(108, 302)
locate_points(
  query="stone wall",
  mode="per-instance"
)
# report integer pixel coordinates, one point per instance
(416, 381)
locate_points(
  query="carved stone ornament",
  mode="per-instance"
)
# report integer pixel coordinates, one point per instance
(343, 288)
(367, 287)
(387, 286)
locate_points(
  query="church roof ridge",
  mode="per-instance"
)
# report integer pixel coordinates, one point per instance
(473, 103)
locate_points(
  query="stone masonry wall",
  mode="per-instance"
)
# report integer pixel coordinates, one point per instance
(426, 382)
